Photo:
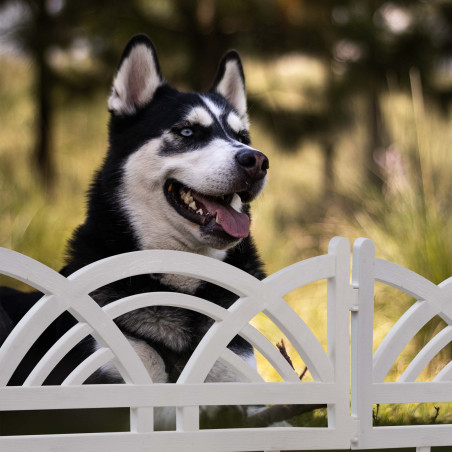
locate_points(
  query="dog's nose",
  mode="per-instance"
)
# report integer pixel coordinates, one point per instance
(253, 162)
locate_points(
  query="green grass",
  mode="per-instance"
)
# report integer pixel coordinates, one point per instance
(410, 222)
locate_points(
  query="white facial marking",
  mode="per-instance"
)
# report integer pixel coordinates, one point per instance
(200, 116)
(235, 122)
(209, 170)
(214, 109)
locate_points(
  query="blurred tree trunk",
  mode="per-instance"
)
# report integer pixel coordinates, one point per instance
(42, 154)
(328, 168)
(376, 139)
(205, 41)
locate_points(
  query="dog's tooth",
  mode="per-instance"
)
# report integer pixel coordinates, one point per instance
(216, 220)
(200, 212)
(193, 205)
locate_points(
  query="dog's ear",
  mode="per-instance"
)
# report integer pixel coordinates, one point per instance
(137, 77)
(230, 82)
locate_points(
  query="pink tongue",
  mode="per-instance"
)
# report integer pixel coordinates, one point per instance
(233, 223)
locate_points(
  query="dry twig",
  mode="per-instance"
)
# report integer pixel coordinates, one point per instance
(279, 413)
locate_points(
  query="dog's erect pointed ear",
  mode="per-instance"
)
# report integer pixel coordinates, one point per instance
(137, 77)
(230, 82)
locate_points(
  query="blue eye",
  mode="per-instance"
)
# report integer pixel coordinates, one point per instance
(187, 132)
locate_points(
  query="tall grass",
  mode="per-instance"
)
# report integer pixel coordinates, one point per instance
(411, 221)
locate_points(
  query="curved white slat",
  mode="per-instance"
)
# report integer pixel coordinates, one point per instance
(435, 302)
(249, 333)
(398, 337)
(88, 367)
(427, 353)
(445, 374)
(218, 337)
(108, 335)
(117, 308)
(302, 339)
(220, 334)
(83, 308)
(270, 352)
(31, 272)
(240, 367)
(26, 332)
(114, 268)
(56, 353)
(416, 286)
(40, 316)
(301, 274)
(172, 299)
(241, 313)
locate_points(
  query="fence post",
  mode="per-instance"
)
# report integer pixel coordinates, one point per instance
(338, 295)
(362, 338)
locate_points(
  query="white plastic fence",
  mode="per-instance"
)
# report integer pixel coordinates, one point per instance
(347, 427)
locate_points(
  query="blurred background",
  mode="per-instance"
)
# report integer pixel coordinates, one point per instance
(350, 99)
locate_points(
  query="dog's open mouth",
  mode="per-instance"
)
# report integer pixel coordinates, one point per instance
(214, 213)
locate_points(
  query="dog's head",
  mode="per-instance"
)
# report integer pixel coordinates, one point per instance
(186, 165)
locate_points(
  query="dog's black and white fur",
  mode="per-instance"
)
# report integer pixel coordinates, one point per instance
(179, 174)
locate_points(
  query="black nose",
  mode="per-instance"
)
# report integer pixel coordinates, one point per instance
(253, 162)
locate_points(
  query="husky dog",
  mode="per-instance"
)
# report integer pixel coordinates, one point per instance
(179, 175)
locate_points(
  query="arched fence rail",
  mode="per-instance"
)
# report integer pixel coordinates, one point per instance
(350, 423)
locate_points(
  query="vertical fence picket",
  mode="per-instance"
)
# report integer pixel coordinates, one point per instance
(362, 338)
(141, 419)
(187, 418)
(338, 295)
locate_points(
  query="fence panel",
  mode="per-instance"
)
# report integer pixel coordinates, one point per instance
(330, 369)
(369, 370)
(350, 412)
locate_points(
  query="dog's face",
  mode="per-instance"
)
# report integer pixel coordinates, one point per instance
(188, 170)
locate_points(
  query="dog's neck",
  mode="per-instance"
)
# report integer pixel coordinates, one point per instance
(184, 283)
